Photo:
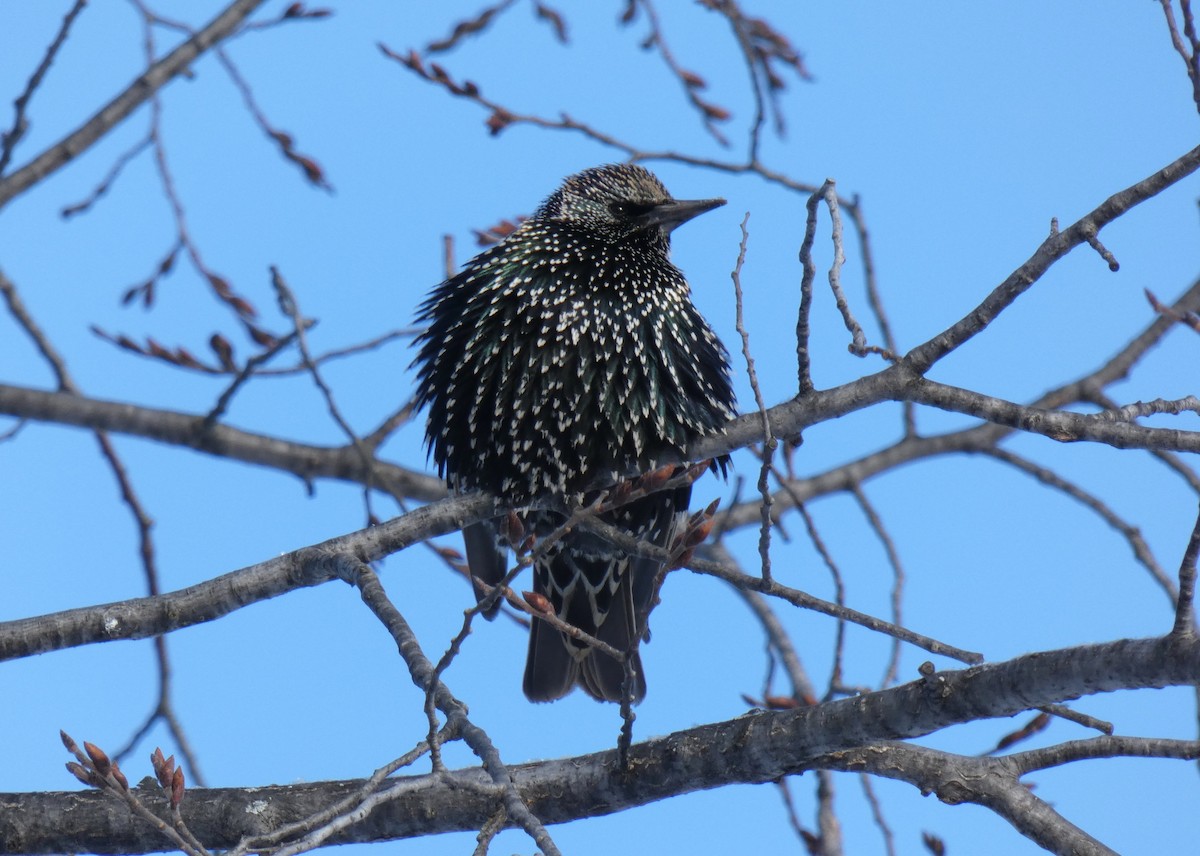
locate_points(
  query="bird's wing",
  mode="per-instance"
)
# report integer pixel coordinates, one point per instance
(487, 557)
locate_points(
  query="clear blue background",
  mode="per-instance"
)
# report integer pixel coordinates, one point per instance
(963, 128)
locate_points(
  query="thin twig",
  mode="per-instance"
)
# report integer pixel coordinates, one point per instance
(858, 340)
(875, 300)
(106, 183)
(361, 800)
(769, 441)
(289, 306)
(1064, 712)
(247, 371)
(829, 830)
(809, 273)
(839, 591)
(1189, 54)
(710, 113)
(219, 285)
(1185, 611)
(424, 676)
(10, 138)
(889, 838)
(804, 600)
(892, 672)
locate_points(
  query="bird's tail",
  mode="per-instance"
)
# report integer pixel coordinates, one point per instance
(557, 663)
(607, 594)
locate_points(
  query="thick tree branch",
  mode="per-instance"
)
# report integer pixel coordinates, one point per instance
(995, 782)
(756, 748)
(1061, 425)
(143, 617)
(182, 429)
(989, 782)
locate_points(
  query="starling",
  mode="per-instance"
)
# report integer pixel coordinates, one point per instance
(560, 361)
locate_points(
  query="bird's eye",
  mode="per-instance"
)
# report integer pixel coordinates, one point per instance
(628, 209)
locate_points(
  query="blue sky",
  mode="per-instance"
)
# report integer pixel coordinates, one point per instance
(962, 128)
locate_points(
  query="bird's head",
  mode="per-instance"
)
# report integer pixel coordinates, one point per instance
(621, 200)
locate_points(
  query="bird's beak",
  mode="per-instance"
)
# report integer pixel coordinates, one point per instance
(675, 213)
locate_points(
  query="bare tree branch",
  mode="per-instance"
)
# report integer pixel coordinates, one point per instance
(1057, 245)
(136, 94)
(141, 618)
(182, 429)
(756, 748)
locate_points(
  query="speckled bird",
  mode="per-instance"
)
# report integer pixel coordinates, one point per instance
(561, 360)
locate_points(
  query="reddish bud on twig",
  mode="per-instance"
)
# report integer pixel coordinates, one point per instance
(297, 10)
(184, 358)
(312, 171)
(682, 559)
(223, 350)
(496, 233)
(68, 742)
(1038, 723)
(933, 844)
(243, 307)
(652, 481)
(157, 350)
(698, 469)
(220, 285)
(513, 529)
(699, 532)
(412, 60)
(120, 777)
(99, 759)
(498, 121)
(620, 493)
(260, 337)
(712, 111)
(177, 788)
(164, 768)
(80, 772)
(539, 602)
(556, 21)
